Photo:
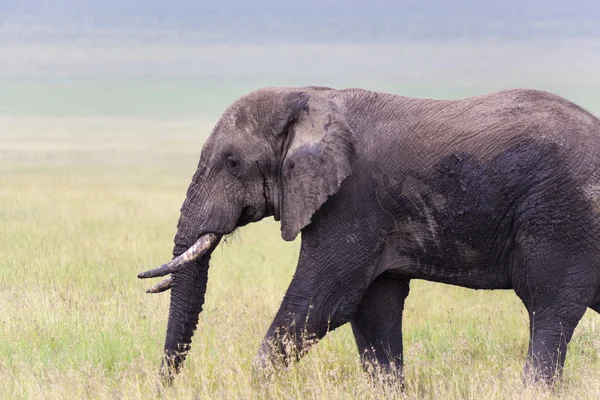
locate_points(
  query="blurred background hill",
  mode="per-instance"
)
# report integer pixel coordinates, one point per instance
(189, 58)
(270, 21)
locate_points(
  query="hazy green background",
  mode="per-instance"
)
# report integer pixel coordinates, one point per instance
(189, 81)
(183, 58)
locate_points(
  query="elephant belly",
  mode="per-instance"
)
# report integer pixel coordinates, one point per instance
(454, 263)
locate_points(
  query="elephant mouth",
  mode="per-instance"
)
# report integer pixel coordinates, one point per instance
(203, 245)
(248, 215)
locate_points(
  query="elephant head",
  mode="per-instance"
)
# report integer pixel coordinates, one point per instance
(275, 152)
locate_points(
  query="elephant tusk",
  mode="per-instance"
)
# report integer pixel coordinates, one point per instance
(205, 243)
(161, 286)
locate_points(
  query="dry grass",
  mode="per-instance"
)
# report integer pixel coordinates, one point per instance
(85, 204)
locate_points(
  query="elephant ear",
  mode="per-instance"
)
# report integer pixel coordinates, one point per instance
(319, 151)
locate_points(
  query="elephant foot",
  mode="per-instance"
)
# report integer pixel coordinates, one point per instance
(390, 376)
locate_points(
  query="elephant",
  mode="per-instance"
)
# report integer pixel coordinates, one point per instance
(497, 191)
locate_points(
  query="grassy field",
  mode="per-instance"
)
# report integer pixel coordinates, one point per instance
(86, 203)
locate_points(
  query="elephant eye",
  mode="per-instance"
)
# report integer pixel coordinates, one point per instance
(233, 165)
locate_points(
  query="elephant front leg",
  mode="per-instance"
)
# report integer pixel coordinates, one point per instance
(331, 278)
(377, 326)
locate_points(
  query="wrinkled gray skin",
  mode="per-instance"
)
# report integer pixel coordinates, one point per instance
(499, 191)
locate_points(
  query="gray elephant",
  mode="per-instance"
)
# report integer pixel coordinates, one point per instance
(500, 191)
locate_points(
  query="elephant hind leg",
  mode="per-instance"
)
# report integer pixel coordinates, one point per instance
(549, 337)
(596, 302)
(558, 288)
(377, 325)
(596, 307)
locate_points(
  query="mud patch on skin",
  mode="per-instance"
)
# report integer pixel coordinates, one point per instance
(472, 210)
(467, 253)
(592, 194)
(241, 120)
(415, 233)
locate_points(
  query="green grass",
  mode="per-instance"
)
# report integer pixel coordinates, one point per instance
(87, 203)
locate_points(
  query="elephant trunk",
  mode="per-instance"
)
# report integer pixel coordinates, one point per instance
(194, 244)
(188, 288)
(189, 275)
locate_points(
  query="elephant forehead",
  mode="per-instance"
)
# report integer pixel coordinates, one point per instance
(227, 136)
(234, 122)
(242, 119)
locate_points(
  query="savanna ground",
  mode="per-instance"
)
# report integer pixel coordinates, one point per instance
(88, 202)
